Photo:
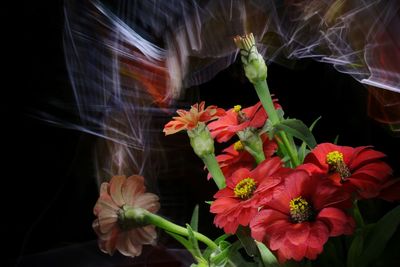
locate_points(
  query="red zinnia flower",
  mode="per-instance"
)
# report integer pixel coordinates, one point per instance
(236, 157)
(236, 120)
(115, 233)
(238, 202)
(188, 120)
(303, 213)
(359, 169)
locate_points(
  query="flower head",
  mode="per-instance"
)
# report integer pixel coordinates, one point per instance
(359, 170)
(188, 120)
(303, 213)
(237, 119)
(235, 156)
(239, 201)
(111, 226)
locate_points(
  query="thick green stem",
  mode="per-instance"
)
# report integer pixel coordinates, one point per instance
(145, 217)
(213, 167)
(266, 100)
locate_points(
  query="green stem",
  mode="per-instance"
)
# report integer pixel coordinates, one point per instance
(266, 100)
(357, 215)
(213, 167)
(292, 152)
(146, 217)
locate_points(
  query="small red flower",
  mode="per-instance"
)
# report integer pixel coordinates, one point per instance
(113, 233)
(239, 201)
(236, 157)
(360, 170)
(236, 120)
(188, 120)
(303, 213)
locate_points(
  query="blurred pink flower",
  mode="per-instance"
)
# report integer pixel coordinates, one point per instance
(113, 231)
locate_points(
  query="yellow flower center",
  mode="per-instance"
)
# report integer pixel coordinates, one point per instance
(332, 158)
(245, 188)
(237, 108)
(336, 163)
(300, 210)
(238, 146)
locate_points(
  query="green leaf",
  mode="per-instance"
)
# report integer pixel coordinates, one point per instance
(355, 249)
(336, 140)
(194, 222)
(209, 202)
(379, 236)
(243, 233)
(267, 257)
(297, 129)
(302, 150)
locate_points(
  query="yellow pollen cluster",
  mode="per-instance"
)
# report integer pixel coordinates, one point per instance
(298, 205)
(237, 108)
(245, 188)
(334, 157)
(238, 146)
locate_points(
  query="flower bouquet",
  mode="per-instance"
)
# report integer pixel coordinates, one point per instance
(281, 198)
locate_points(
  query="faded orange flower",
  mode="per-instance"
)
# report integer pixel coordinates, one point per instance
(111, 226)
(189, 120)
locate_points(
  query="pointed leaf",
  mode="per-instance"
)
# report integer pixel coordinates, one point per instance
(248, 243)
(297, 129)
(336, 140)
(302, 152)
(194, 222)
(268, 258)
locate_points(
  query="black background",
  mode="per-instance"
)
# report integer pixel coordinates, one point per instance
(48, 179)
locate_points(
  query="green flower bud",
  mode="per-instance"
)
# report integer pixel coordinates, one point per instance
(253, 63)
(252, 143)
(201, 140)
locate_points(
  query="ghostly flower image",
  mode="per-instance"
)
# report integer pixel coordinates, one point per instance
(359, 170)
(239, 201)
(302, 214)
(114, 231)
(188, 120)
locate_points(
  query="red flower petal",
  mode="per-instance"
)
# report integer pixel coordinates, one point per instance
(298, 233)
(364, 155)
(222, 204)
(337, 221)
